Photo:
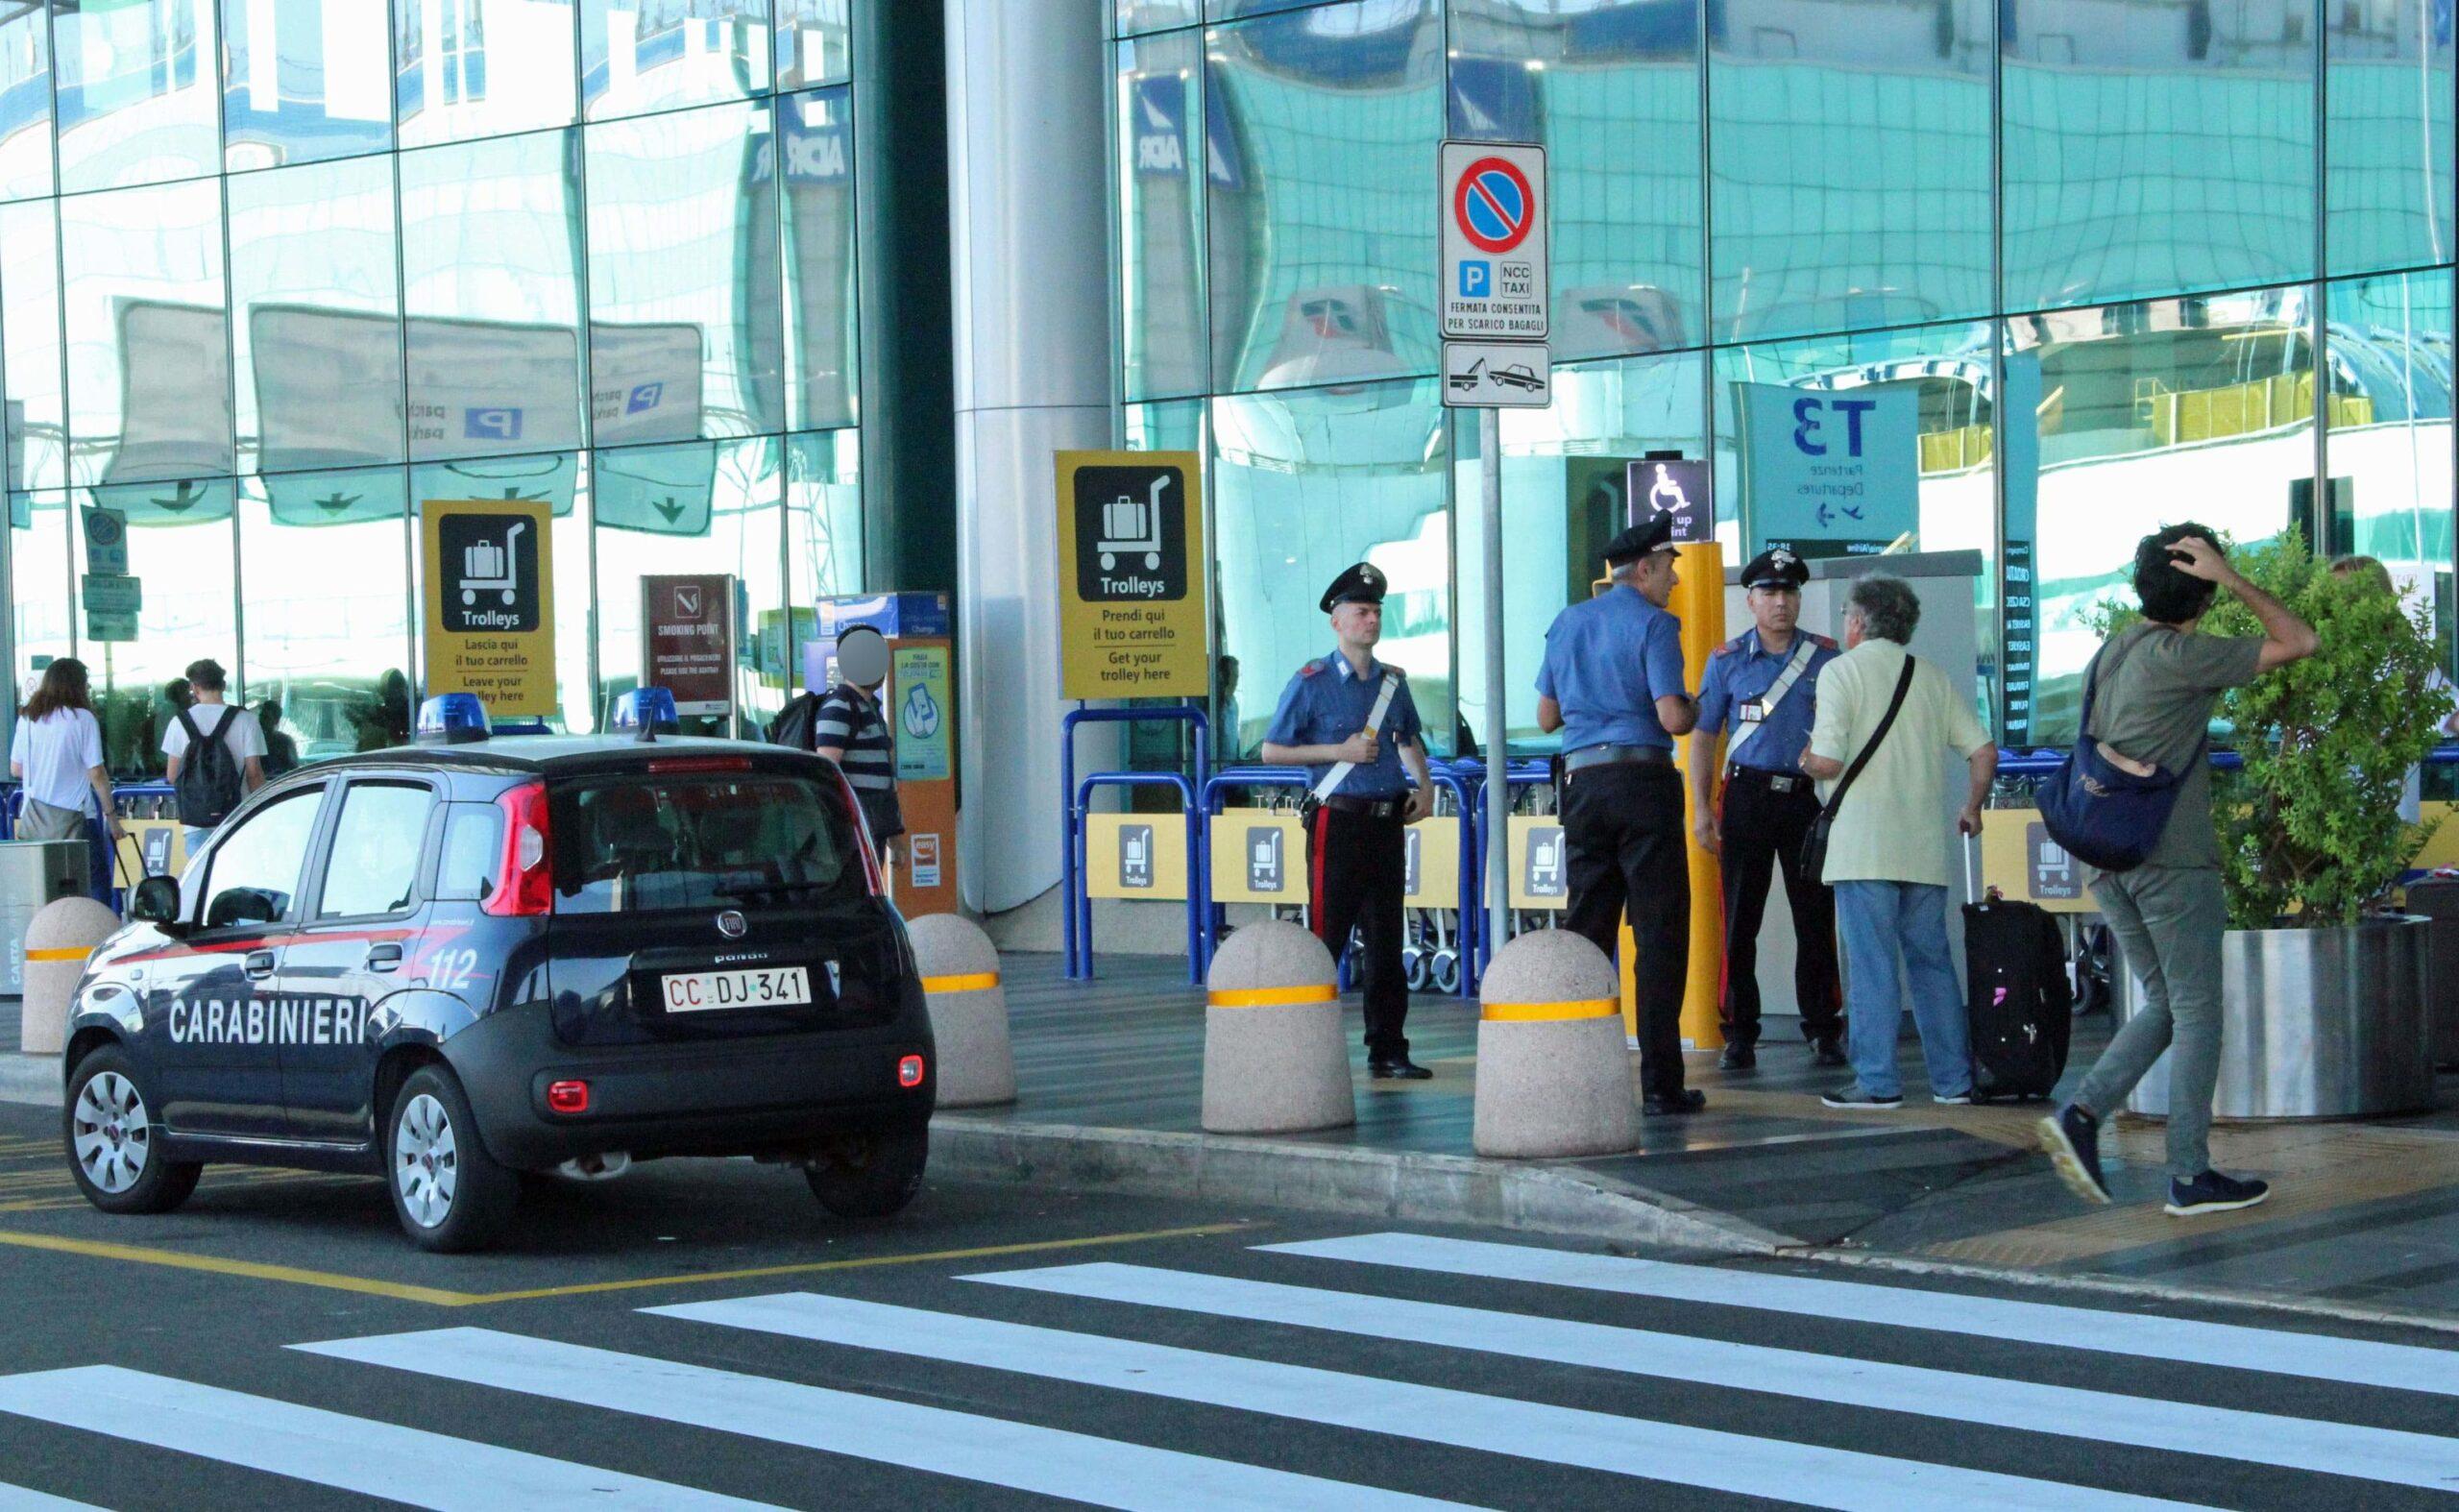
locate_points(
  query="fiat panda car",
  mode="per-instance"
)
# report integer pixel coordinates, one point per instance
(456, 965)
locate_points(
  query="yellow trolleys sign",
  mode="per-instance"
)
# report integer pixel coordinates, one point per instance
(1135, 599)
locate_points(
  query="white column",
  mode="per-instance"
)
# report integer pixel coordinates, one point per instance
(1028, 85)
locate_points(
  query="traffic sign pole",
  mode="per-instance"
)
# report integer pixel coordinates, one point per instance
(1497, 721)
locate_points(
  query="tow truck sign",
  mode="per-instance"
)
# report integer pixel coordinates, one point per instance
(1495, 272)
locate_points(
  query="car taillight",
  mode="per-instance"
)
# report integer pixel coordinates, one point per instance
(684, 764)
(523, 883)
(862, 832)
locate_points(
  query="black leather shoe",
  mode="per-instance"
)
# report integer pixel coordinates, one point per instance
(1738, 1056)
(1825, 1051)
(1688, 1101)
(1399, 1068)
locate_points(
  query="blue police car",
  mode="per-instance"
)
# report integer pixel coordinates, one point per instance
(460, 962)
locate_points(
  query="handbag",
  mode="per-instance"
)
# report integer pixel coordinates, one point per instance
(2102, 815)
(1815, 843)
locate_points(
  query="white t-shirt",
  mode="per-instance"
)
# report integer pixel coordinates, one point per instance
(56, 753)
(245, 734)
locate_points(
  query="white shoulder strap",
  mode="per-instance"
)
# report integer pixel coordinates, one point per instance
(1340, 772)
(1774, 696)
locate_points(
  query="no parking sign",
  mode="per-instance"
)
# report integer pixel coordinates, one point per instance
(1494, 241)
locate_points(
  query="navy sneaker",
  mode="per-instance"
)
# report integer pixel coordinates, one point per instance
(2072, 1138)
(2213, 1192)
(1854, 1096)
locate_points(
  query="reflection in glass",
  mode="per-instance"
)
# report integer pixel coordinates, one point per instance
(2387, 448)
(1160, 217)
(2150, 413)
(656, 55)
(305, 79)
(25, 102)
(2389, 134)
(815, 44)
(444, 52)
(317, 316)
(823, 374)
(1303, 486)
(1318, 148)
(823, 545)
(331, 647)
(138, 92)
(2152, 147)
(39, 627)
(189, 610)
(490, 235)
(1612, 88)
(149, 338)
(32, 358)
(1851, 176)
(684, 300)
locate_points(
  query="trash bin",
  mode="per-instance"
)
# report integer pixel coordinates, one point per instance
(2438, 899)
(32, 872)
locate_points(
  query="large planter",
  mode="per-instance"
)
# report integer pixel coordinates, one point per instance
(2315, 1023)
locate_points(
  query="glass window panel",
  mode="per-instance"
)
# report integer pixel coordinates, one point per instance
(185, 570)
(658, 55)
(39, 626)
(1231, 10)
(490, 256)
(2153, 147)
(823, 374)
(2388, 444)
(305, 79)
(148, 334)
(1319, 149)
(138, 92)
(1612, 88)
(372, 868)
(1562, 478)
(1851, 176)
(2389, 137)
(25, 102)
(1154, 15)
(823, 545)
(683, 291)
(1303, 486)
(444, 52)
(2151, 414)
(815, 42)
(1162, 217)
(561, 480)
(265, 854)
(328, 606)
(732, 523)
(32, 353)
(317, 333)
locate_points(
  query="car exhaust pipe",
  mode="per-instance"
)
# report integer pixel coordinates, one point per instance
(602, 1167)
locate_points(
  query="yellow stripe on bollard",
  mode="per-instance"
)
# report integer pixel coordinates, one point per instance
(963, 981)
(1270, 996)
(62, 953)
(1536, 1012)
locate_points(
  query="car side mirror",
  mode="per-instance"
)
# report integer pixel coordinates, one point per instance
(240, 905)
(155, 901)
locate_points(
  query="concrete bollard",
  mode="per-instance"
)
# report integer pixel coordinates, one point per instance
(1275, 1059)
(59, 939)
(968, 1009)
(1554, 1075)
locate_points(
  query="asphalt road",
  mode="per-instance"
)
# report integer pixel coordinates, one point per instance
(700, 1335)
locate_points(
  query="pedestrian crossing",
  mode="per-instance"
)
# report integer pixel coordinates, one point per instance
(1301, 1376)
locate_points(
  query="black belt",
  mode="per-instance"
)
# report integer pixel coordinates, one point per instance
(1372, 808)
(1775, 781)
(1616, 755)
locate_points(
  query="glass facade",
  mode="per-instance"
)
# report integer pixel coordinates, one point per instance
(2070, 269)
(273, 272)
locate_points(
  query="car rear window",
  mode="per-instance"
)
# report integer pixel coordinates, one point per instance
(638, 844)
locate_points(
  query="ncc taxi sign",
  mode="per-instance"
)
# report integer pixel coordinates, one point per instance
(1494, 241)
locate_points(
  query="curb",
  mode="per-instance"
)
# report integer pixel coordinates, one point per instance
(30, 1079)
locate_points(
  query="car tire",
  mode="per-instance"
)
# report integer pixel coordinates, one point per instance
(870, 1173)
(449, 1195)
(110, 1132)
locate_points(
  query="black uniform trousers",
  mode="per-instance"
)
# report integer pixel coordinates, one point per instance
(1356, 873)
(1764, 829)
(1623, 829)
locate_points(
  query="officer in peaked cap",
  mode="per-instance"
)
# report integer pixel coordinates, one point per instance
(1760, 693)
(1350, 720)
(1613, 683)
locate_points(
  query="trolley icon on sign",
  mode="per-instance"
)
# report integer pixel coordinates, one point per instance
(1545, 862)
(1131, 528)
(489, 567)
(1264, 852)
(1135, 855)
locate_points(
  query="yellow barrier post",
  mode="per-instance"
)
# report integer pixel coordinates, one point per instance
(1699, 603)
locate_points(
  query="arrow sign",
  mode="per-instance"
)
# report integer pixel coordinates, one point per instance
(657, 490)
(189, 502)
(319, 500)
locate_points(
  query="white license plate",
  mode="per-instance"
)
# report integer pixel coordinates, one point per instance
(767, 986)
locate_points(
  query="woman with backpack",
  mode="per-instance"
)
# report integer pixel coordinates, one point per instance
(58, 754)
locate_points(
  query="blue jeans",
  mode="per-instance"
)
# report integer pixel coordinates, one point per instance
(1878, 919)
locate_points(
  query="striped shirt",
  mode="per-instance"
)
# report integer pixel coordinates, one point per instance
(849, 718)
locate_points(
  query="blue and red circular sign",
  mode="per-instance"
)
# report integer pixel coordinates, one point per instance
(1494, 204)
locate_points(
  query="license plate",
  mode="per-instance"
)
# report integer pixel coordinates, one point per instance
(705, 991)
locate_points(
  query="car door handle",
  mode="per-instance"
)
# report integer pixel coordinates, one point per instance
(259, 964)
(383, 957)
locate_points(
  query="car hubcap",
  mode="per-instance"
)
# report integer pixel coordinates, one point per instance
(423, 1162)
(111, 1134)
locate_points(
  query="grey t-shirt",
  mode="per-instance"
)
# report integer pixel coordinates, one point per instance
(2154, 704)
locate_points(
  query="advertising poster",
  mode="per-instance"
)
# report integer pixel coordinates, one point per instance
(490, 601)
(686, 639)
(920, 679)
(1135, 599)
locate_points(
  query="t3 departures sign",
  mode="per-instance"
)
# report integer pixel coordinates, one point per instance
(1495, 276)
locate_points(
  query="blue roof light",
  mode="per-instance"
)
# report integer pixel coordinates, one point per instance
(646, 711)
(451, 719)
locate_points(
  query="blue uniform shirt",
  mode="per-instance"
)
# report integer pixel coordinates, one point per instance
(1607, 661)
(1740, 673)
(1328, 702)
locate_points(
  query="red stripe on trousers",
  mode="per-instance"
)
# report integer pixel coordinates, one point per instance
(1315, 871)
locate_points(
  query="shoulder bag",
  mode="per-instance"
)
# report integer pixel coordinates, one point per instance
(1815, 843)
(2102, 815)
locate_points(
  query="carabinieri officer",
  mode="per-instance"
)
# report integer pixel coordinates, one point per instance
(1613, 683)
(1761, 691)
(1350, 720)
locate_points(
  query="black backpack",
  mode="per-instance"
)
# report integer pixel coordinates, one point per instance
(208, 786)
(796, 724)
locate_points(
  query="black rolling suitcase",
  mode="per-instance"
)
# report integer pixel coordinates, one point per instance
(2017, 994)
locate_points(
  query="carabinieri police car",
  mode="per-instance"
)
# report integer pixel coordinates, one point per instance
(457, 963)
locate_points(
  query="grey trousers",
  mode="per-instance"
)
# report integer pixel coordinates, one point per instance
(2168, 921)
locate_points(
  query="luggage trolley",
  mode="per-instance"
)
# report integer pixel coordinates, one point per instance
(1132, 527)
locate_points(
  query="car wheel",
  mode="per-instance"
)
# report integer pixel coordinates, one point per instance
(111, 1138)
(449, 1194)
(871, 1174)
